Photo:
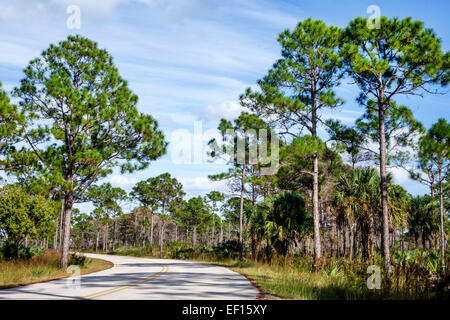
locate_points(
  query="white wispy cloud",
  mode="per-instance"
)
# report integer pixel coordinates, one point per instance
(16, 54)
(25, 10)
(401, 176)
(277, 19)
(201, 185)
(122, 181)
(229, 110)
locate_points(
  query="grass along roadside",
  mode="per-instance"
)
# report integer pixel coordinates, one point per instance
(281, 279)
(279, 282)
(42, 268)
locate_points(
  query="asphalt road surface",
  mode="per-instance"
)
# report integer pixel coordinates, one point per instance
(143, 279)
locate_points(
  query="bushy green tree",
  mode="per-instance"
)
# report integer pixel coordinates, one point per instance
(240, 141)
(74, 99)
(24, 216)
(108, 198)
(434, 158)
(348, 139)
(196, 213)
(401, 57)
(423, 219)
(10, 129)
(357, 201)
(81, 224)
(282, 219)
(143, 191)
(298, 87)
(212, 198)
(99, 220)
(160, 192)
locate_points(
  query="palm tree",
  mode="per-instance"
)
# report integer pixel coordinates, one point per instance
(258, 228)
(398, 202)
(423, 220)
(282, 220)
(356, 200)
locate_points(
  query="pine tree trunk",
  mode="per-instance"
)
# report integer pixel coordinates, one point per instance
(143, 240)
(383, 187)
(55, 238)
(213, 239)
(338, 241)
(161, 237)
(97, 240)
(106, 238)
(241, 211)
(176, 232)
(441, 209)
(151, 234)
(61, 221)
(194, 236)
(350, 243)
(134, 232)
(315, 191)
(315, 206)
(114, 234)
(144, 234)
(371, 237)
(68, 204)
(344, 241)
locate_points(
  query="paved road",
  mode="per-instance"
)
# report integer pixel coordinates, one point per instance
(142, 278)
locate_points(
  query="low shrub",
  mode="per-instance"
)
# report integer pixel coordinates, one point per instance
(226, 250)
(37, 251)
(178, 250)
(134, 252)
(183, 253)
(11, 250)
(77, 259)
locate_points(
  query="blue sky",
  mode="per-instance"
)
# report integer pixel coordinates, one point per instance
(188, 60)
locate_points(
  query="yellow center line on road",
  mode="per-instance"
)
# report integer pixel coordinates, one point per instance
(123, 287)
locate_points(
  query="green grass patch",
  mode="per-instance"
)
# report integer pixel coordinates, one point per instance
(337, 279)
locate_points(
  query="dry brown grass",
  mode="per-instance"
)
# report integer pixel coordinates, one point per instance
(42, 268)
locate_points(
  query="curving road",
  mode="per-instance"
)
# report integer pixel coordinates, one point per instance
(143, 279)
